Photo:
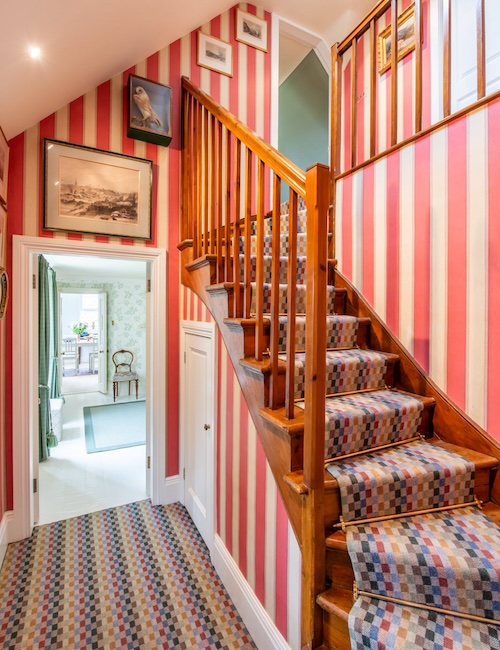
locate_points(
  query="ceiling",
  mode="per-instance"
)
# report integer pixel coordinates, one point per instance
(86, 43)
(102, 269)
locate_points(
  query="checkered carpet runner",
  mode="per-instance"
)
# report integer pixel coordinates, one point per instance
(377, 624)
(402, 479)
(447, 560)
(136, 577)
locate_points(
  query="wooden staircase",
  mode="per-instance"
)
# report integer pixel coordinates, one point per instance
(276, 337)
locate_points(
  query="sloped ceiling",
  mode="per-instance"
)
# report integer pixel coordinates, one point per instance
(86, 43)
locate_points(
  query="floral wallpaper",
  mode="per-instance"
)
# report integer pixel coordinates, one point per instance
(126, 319)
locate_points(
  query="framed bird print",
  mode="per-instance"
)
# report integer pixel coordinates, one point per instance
(149, 111)
(94, 191)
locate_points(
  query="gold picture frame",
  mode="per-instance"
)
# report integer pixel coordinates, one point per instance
(406, 39)
(251, 30)
(4, 167)
(215, 54)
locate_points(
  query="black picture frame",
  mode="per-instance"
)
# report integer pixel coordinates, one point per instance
(98, 192)
(149, 111)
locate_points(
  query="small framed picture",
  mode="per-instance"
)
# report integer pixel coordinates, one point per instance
(3, 227)
(149, 111)
(406, 39)
(215, 54)
(251, 30)
(4, 167)
(93, 191)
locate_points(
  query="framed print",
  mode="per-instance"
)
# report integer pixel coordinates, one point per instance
(215, 54)
(93, 191)
(3, 226)
(149, 111)
(251, 30)
(406, 39)
(4, 167)
(4, 291)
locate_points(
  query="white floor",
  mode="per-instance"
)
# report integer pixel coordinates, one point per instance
(72, 482)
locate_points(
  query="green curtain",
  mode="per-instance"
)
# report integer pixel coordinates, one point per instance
(54, 388)
(43, 357)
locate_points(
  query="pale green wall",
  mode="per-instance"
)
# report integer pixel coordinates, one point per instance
(303, 114)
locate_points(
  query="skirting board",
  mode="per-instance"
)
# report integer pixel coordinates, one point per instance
(262, 629)
(4, 534)
(171, 491)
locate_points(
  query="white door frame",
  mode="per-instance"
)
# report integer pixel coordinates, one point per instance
(24, 367)
(207, 330)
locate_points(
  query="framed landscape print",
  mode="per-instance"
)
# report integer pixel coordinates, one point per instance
(406, 39)
(4, 167)
(93, 191)
(149, 111)
(251, 30)
(215, 54)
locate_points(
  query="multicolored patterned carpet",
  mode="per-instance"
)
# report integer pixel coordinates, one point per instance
(136, 576)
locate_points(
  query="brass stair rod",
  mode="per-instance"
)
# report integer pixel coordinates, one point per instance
(438, 610)
(372, 449)
(357, 522)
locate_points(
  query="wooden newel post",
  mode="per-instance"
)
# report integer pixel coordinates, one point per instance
(313, 533)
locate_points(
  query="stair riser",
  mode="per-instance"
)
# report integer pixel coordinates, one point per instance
(335, 632)
(300, 275)
(348, 377)
(300, 307)
(425, 430)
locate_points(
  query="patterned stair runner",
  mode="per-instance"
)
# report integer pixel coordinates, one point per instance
(441, 559)
(377, 624)
(300, 297)
(346, 371)
(448, 560)
(361, 421)
(341, 332)
(402, 479)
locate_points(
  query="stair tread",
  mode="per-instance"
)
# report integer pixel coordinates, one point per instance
(279, 419)
(480, 460)
(336, 601)
(336, 540)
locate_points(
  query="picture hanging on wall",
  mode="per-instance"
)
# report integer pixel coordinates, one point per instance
(4, 166)
(215, 54)
(406, 39)
(93, 191)
(251, 30)
(149, 111)
(3, 227)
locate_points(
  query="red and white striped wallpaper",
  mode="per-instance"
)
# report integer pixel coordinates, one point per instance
(406, 91)
(418, 232)
(251, 519)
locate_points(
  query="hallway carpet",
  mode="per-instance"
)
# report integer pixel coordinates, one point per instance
(136, 576)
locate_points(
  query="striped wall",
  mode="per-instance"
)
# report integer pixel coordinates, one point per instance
(418, 232)
(431, 89)
(251, 519)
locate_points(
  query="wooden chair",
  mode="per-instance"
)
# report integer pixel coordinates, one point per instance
(94, 355)
(69, 353)
(122, 360)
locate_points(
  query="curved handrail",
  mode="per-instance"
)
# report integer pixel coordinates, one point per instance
(292, 175)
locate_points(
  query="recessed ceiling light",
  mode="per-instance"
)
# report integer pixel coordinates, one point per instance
(35, 52)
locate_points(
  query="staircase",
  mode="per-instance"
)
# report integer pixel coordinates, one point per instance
(383, 478)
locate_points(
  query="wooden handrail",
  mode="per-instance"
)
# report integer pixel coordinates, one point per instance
(353, 160)
(286, 170)
(232, 185)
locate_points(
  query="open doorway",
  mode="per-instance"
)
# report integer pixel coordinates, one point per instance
(100, 459)
(26, 251)
(82, 333)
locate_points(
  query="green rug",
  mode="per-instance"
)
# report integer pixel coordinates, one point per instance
(114, 426)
